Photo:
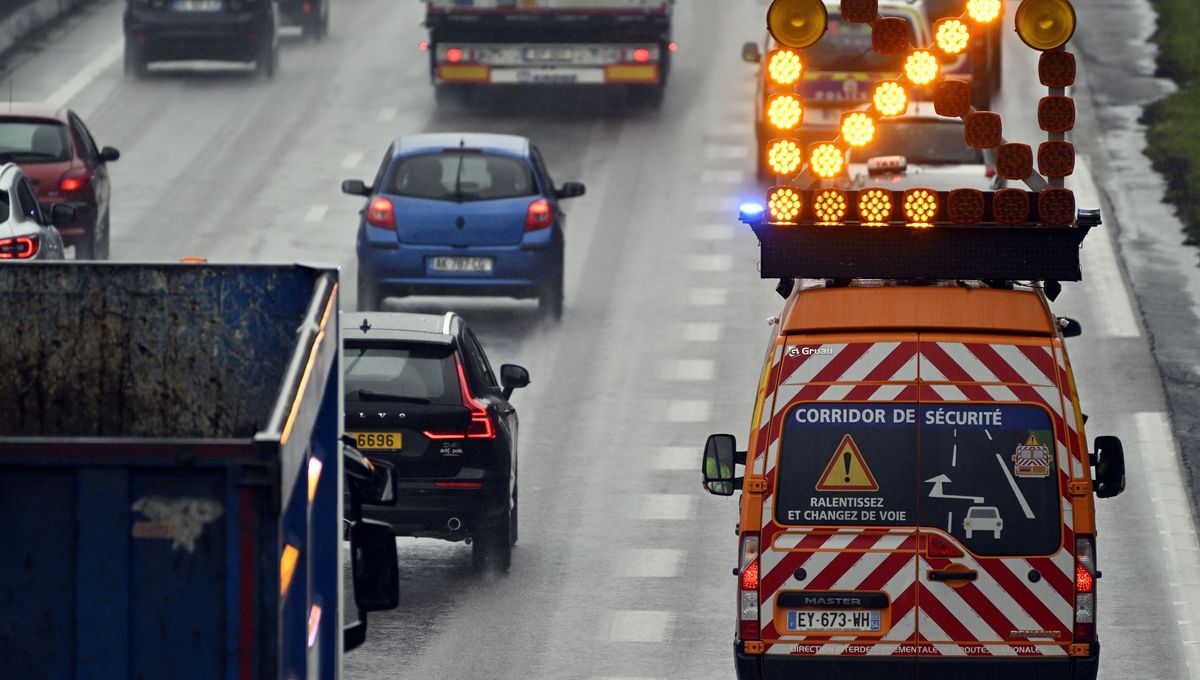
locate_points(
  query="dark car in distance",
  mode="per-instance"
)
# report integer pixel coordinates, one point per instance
(57, 153)
(185, 30)
(421, 396)
(312, 16)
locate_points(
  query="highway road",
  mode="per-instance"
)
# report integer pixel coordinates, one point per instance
(623, 569)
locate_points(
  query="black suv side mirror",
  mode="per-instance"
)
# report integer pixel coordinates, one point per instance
(750, 53)
(720, 455)
(61, 214)
(513, 377)
(355, 187)
(571, 190)
(1109, 461)
(1069, 327)
(109, 154)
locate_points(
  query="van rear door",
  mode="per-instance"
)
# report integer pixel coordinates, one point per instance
(839, 538)
(997, 544)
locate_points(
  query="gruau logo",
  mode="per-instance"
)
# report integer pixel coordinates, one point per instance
(810, 351)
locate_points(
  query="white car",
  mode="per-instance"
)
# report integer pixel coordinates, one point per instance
(922, 149)
(27, 230)
(983, 518)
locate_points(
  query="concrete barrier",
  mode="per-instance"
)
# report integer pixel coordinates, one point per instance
(17, 25)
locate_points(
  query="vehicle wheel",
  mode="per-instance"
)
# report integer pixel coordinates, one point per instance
(996, 535)
(969, 533)
(85, 248)
(368, 295)
(135, 60)
(492, 548)
(451, 95)
(550, 300)
(268, 62)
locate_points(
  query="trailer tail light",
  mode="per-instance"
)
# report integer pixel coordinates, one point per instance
(74, 180)
(539, 216)
(748, 607)
(381, 214)
(19, 248)
(641, 55)
(481, 425)
(1085, 589)
(454, 55)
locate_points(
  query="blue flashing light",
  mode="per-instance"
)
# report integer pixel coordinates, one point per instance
(751, 212)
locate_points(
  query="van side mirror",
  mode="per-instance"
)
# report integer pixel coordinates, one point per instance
(375, 570)
(355, 187)
(571, 190)
(720, 455)
(62, 214)
(750, 53)
(513, 377)
(1109, 461)
(1069, 327)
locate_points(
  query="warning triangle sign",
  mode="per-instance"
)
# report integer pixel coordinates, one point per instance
(847, 470)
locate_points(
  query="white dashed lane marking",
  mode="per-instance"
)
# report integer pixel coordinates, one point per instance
(722, 177)
(386, 115)
(316, 213)
(690, 369)
(642, 626)
(705, 297)
(709, 264)
(727, 152)
(689, 411)
(352, 160)
(652, 563)
(677, 458)
(702, 332)
(667, 507)
(712, 232)
(1104, 277)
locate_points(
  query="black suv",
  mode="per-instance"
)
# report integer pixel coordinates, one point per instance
(221, 30)
(312, 16)
(421, 395)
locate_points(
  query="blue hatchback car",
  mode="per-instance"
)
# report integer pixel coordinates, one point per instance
(462, 214)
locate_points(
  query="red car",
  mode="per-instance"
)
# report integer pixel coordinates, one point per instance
(58, 154)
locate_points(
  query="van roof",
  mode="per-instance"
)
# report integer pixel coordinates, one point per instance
(946, 308)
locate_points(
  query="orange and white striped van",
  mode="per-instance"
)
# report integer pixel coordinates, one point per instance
(917, 498)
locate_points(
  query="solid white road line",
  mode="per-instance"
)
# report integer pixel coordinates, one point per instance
(352, 160)
(1177, 533)
(641, 626)
(689, 411)
(667, 507)
(708, 297)
(87, 74)
(386, 115)
(677, 458)
(316, 213)
(702, 332)
(710, 263)
(652, 563)
(691, 369)
(1101, 270)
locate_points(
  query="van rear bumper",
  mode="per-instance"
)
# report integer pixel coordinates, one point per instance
(778, 667)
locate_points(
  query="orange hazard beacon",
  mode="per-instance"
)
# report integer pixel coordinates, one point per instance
(917, 497)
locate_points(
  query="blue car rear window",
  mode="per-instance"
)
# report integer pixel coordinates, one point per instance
(461, 176)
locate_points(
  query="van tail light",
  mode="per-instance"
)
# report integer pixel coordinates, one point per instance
(748, 609)
(19, 248)
(74, 180)
(481, 425)
(539, 216)
(1085, 589)
(381, 214)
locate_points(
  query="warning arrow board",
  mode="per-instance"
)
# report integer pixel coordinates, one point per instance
(847, 470)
